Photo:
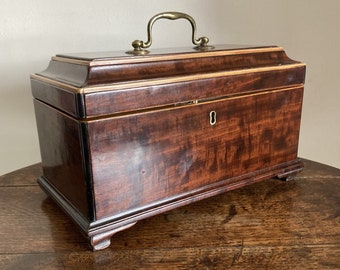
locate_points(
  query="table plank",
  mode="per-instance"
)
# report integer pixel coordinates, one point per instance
(24, 177)
(235, 258)
(270, 225)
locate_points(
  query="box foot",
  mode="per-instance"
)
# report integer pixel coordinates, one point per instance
(102, 240)
(291, 172)
(287, 177)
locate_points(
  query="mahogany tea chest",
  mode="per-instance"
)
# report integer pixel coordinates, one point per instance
(125, 136)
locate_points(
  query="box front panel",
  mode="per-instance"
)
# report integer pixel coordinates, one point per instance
(147, 158)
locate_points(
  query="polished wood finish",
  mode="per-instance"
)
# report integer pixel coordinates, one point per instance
(62, 154)
(78, 86)
(184, 92)
(176, 153)
(268, 225)
(159, 68)
(130, 149)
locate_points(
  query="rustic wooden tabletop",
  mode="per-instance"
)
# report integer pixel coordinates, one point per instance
(268, 225)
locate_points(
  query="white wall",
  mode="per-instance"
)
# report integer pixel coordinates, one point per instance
(33, 31)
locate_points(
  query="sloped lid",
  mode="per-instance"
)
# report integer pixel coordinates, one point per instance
(122, 82)
(89, 69)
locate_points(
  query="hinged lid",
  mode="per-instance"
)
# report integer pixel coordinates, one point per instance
(114, 82)
(97, 84)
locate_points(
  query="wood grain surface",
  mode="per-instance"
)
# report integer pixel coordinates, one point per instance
(77, 85)
(126, 137)
(268, 225)
(158, 155)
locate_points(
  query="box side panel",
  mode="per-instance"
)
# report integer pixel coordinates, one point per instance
(62, 156)
(135, 98)
(147, 158)
(67, 101)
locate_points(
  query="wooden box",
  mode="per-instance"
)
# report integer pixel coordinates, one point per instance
(124, 137)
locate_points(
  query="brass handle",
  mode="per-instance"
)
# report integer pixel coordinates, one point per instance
(140, 46)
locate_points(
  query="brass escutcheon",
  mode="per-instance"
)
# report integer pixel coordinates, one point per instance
(213, 118)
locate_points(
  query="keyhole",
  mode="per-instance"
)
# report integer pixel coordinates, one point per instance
(213, 119)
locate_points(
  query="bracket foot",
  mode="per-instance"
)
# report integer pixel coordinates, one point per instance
(102, 240)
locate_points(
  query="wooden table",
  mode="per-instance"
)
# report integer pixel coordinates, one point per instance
(268, 225)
